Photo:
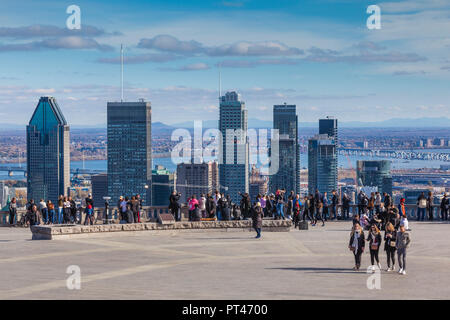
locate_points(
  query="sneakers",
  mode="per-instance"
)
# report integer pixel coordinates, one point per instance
(401, 270)
(379, 265)
(404, 272)
(388, 269)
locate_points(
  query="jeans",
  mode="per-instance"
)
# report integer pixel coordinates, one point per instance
(430, 214)
(374, 256)
(420, 214)
(44, 212)
(444, 214)
(401, 253)
(51, 216)
(345, 212)
(390, 256)
(306, 214)
(357, 255)
(258, 232)
(333, 211)
(59, 217)
(280, 212)
(219, 214)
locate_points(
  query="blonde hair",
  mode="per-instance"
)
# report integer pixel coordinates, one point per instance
(390, 227)
(356, 226)
(377, 231)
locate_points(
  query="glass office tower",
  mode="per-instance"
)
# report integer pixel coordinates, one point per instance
(234, 166)
(129, 150)
(375, 173)
(322, 164)
(329, 126)
(48, 152)
(288, 175)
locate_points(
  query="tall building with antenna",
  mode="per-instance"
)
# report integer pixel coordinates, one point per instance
(129, 134)
(234, 157)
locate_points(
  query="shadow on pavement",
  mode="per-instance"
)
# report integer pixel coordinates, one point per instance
(322, 270)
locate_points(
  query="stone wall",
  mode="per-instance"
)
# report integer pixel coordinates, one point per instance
(70, 231)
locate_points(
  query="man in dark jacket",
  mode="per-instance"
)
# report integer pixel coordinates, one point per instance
(345, 206)
(73, 210)
(210, 206)
(334, 204)
(245, 204)
(174, 205)
(387, 200)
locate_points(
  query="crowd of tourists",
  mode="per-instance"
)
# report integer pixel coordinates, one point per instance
(396, 240)
(47, 213)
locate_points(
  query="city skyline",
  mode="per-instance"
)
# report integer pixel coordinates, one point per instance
(324, 61)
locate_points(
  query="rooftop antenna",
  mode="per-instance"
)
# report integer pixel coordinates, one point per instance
(220, 81)
(121, 73)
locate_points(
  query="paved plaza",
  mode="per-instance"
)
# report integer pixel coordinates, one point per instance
(313, 264)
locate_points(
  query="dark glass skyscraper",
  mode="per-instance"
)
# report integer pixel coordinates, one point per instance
(48, 152)
(329, 126)
(129, 150)
(288, 176)
(234, 166)
(375, 173)
(322, 164)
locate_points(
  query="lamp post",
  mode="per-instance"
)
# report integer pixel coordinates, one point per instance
(146, 197)
(106, 220)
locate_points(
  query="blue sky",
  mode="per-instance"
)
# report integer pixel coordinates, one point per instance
(316, 54)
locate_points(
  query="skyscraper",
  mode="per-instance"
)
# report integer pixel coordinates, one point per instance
(375, 173)
(322, 164)
(234, 166)
(163, 183)
(258, 183)
(288, 176)
(48, 152)
(99, 183)
(129, 150)
(329, 126)
(197, 178)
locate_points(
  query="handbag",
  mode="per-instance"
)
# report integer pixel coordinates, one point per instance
(374, 247)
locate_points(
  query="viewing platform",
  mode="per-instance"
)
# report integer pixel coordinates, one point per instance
(52, 232)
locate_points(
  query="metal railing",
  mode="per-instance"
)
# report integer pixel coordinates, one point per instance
(150, 213)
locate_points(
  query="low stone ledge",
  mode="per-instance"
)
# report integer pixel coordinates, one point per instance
(69, 231)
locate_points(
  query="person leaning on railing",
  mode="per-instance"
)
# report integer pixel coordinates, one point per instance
(12, 210)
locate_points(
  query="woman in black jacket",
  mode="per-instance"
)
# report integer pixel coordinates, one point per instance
(374, 239)
(390, 236)
(257, 218)
(356, 244)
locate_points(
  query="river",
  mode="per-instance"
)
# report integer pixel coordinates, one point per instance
(344, 162)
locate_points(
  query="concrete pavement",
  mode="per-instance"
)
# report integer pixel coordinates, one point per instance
(313, 264)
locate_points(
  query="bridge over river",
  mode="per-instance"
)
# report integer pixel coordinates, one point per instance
(397, 154)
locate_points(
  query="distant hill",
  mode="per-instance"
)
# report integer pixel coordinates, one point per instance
(257, 123)
(395, 122)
